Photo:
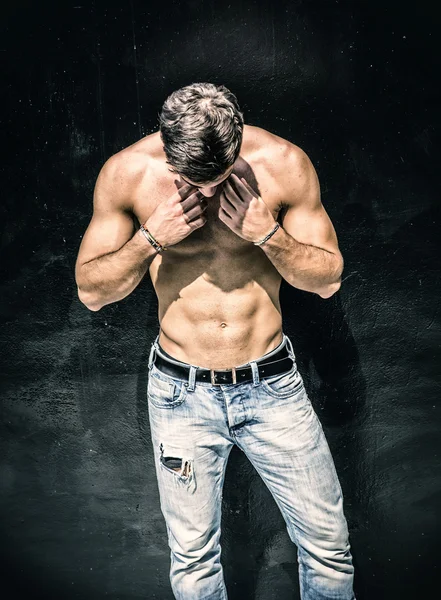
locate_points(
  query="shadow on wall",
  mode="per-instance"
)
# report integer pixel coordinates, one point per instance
(328, 359)
(326, 354)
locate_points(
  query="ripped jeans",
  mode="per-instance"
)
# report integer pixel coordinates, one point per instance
(194, 426)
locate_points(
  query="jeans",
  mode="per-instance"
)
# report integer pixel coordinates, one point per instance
(194, 426)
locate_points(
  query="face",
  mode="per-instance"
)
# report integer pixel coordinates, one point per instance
(208, 190)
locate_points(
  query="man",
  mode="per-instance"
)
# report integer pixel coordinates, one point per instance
(226, 209)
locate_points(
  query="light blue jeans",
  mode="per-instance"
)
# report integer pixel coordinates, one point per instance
(194, 426)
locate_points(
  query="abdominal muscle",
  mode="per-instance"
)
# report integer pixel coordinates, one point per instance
(218, 312)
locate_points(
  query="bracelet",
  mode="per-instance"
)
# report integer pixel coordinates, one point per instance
(268, 236)
(156, 245)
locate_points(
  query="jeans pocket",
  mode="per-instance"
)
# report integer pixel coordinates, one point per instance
(284, 385)
(165, 392)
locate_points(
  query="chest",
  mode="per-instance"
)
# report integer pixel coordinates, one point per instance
(214, 234)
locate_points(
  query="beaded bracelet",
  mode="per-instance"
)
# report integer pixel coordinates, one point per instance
(268, 236)
(156, 245)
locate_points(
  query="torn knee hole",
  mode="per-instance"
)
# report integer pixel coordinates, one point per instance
(175, 464)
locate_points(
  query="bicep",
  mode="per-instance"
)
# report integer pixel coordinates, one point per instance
(311, 226)
(111, 226)
(304, 217)
(106, 233)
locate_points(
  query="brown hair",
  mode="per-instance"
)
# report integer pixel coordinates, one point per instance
(201, 128)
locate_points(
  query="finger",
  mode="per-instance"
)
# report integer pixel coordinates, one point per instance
(194, 199)
(224, 213)
(195, 212)
(231, 194)
(242, 183)
(179, 183)
(244, 193)
(228, 204)
(196, 223)
(185, 190)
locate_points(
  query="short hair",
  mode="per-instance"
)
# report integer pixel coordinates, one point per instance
(201, 128)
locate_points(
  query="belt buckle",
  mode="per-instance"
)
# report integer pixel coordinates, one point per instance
(213, 376)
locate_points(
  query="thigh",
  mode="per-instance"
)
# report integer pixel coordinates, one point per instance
(190, 454)
(286, 444)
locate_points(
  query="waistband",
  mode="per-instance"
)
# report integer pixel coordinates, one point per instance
(196, 371)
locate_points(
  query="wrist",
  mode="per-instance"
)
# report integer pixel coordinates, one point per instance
(268, 236)
(152, 239)
(143, 246)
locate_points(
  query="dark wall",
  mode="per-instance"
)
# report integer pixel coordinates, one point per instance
(355, 84)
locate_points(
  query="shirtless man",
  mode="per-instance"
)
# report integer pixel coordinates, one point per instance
(226, 209)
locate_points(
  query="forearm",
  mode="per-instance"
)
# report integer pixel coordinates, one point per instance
(303, 266)
(114, 276)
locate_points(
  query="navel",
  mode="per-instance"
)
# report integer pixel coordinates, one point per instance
(223, 325)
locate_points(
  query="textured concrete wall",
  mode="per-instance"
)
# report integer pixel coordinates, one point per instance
(355, 85)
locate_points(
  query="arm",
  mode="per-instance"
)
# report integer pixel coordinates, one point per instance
(110, 262)
(305, 249)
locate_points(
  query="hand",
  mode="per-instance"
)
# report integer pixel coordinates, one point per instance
(244, 211)
(177, 217)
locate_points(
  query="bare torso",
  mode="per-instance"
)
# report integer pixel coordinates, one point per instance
(218, 294)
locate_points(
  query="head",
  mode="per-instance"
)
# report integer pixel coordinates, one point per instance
(201, 129)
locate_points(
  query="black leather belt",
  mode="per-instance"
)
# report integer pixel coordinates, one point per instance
(275, 364)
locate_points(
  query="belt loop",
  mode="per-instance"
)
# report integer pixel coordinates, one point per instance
(255, 371)
(290, 348)
(192, 378)
(152, 352)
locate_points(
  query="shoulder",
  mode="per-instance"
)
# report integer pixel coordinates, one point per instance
(125, 171)
(287, 165)
(276, 152)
